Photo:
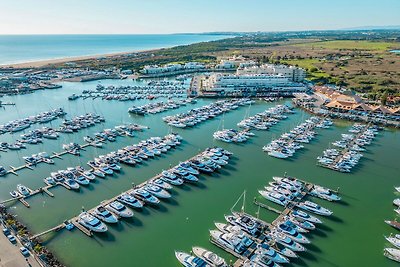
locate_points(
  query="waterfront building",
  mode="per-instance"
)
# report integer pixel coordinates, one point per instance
(248, 85)
(235, 62)
(293, 73)
(171, 68)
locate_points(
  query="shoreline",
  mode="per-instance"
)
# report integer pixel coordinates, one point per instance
(44, 62)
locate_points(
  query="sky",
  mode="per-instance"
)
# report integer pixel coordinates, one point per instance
(177, 16)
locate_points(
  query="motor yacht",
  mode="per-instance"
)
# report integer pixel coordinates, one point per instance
(91, 222)
(313, 207)
(231, 241)
(188, 260)
(292, 233)
(274, 197)
(23, 190)
(171, 178)
(157, 191)
(145, 196)
(120, 209)
(267, 251)
(301, 215)
(104, 215)
(324, 193)
(162, 183)
(210, 257)
(246, 223)
(287, 242)
(130, 200)
(71, 183)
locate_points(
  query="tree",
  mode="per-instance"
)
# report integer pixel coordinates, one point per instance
(384, 97)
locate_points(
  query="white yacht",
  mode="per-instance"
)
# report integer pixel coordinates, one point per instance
(274, 197)
(188, 260)
(313, 207)
(210, 257)
(157, 191)
(130, 200)
(119, 209)
(91, 222)
(104, 215)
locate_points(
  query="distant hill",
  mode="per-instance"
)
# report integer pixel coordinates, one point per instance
(387, 27)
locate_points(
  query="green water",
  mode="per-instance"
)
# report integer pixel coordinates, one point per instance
(352, 237)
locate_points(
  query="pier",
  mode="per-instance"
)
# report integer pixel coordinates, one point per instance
(74, 220)
(344, 151)
(242, 258)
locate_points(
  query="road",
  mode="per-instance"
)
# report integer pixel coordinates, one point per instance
(10, 256)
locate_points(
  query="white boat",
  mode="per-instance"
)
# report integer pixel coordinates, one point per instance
(394, 241)
(231, 241)
(392, 253)
(274, 197)
(287, 242)
(130, 200)
(71, 183)
(23, 190)
(313, 207)
(91, 222)
(396, 202)
(161, 183)
(104, 215)
(188, 260)
(278, 154)
(120, 209)
(301, 215)
(209, 256)
(324, 193)
(157, 191)
(397, 188)
(145, 196)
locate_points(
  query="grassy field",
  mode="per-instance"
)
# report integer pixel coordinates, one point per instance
(351, 45)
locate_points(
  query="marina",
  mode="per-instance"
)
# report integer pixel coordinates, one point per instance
(150, 90)
(74, 148)
(285, 146)
(347, 152)
(207, 112)
(153, 108)
(204, 162)
(255, 242)
(184, 217)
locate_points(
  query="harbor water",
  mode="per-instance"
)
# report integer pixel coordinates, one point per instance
(353, 236)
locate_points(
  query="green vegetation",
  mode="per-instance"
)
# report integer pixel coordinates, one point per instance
(351, 45)
(306, 63)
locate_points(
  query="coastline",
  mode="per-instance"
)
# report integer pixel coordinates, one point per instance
(45, 62)
(57, 60)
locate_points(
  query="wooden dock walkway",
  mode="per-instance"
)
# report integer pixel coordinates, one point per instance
(344, 150)
(58, 155)
(86, 231)
(281, 217)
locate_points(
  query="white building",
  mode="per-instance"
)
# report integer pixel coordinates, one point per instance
(235, 62)
(293, 73)
(155, 69)
(251, 84)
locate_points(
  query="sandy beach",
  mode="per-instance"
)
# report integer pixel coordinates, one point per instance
(42, 63)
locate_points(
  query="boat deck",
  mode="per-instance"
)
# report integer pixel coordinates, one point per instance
(282, 214)
(83, 229)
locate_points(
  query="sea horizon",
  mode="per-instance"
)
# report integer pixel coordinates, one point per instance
(28, 48)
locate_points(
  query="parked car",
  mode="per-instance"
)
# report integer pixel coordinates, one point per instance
(12, 239)
(24, 251)
(6, 231)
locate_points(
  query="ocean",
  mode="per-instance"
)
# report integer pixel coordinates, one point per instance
(27, 48)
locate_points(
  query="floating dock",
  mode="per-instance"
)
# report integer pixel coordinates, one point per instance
(74, 220)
